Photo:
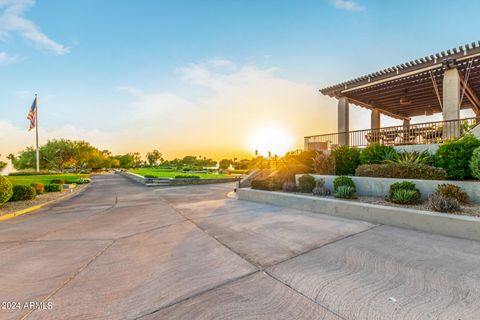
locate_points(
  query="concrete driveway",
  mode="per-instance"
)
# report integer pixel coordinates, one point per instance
(123, 251)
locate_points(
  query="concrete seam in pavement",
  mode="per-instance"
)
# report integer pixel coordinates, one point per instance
(310, 299)
(82, 220)
(72, 277)
(226, 282)
(218, 241)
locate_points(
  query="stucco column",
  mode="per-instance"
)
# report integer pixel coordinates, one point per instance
(343, 121)
(451, 103)
(375, 120)
(406, 131)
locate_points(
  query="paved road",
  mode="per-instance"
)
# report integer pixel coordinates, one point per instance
(123, 251)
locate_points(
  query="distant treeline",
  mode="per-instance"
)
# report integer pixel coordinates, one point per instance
(62, 154)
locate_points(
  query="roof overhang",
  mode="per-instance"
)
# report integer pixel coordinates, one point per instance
(417, 81)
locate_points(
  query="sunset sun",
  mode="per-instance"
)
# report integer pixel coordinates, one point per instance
(270, 139)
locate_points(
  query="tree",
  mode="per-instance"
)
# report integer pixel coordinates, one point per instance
(137, 158)
(124, 161)
(154, 157)
(189, 160)
(2, 164)
(224, 163)
(59, 154)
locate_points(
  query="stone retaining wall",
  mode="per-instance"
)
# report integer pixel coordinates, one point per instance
(379, 187)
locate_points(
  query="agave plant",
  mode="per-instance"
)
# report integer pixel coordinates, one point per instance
(411, 158)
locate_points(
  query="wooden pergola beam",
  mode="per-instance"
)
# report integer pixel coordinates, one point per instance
(378, 108)
(471, 95)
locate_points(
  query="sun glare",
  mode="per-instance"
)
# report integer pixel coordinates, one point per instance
(270, 139)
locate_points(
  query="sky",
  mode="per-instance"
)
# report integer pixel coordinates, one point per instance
(214, 78)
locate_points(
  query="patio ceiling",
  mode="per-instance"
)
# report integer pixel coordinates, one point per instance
(414, 80)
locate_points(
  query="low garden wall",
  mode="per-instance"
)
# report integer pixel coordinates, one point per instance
(379, 187)
(439, 223)
(153, 182)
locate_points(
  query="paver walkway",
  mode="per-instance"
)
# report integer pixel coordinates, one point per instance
(123, 251)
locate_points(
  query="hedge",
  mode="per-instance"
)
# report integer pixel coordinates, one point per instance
(22, 192)
(6, 190)
(32, 173)
(401, 171)
(454, 157)
(475, 163)
(269, 184)
(57, 181)
(186, 176)
(347, 160)
(53, 187)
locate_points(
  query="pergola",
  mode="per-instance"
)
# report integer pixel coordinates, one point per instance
(443, 82)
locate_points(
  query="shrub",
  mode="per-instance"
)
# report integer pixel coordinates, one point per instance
(6, 190)
(397, 193)
(345, 192)
(324, 164)
(377, 153)
(289, 186)
(39, 187)
(401, 171)
(78, 181)
(346, 160)
(320, 189)
(454, 156)
(343, 181)
(306, 183)
(443, 204)
(53, 187)
(475, 163)
(404, 196)
(412, 158)
(186, 176)
(57, 181)
(452, 191)
(150, 176)
(23, 193)
(269, 184)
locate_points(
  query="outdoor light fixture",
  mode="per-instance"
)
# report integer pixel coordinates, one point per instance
(405, 100)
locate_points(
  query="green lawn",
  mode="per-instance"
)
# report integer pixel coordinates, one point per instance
(45, 179)
(171, 174)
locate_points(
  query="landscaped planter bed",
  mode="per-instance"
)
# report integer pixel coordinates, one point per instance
(379, 187)
(460, 226)
(155, 182)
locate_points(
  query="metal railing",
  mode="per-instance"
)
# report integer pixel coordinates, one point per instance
(419, 133)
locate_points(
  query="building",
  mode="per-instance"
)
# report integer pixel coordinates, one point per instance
(444, 82)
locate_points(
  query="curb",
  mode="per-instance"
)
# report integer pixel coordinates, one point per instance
(465, 227)
(38, 206)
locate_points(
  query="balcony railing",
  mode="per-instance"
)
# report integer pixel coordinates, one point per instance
(419, 133)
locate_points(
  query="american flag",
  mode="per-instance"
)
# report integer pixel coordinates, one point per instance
(32, 114)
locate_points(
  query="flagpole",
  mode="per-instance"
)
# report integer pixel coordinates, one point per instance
(36, 131)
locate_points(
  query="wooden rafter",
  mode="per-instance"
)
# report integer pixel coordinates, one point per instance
(378, 108)
(471, 96)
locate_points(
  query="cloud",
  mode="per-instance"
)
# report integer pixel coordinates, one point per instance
(230, 103)
(238, 101)
(7, 59)
(12, 20)
(348, 5)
